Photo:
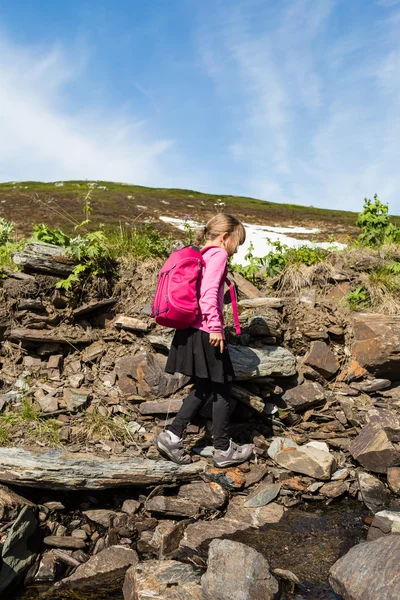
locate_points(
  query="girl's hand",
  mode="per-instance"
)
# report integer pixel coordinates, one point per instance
(217, 340)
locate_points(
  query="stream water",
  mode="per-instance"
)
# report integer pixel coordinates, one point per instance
(306, 541)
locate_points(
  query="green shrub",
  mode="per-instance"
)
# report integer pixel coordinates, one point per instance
(6, 231)
(359, 299)
(141, 242)
(43, 233)
(375, 224)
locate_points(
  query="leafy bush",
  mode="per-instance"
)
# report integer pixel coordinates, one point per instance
(376, 227)
(142, 242)
(278, 259)
(43, 233)
(359, 299)
(6, 230)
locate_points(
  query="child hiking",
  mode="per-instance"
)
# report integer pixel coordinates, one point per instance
(200, 351)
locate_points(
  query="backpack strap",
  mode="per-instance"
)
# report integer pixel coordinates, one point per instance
(232, 292)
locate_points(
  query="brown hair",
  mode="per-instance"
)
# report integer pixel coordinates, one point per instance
(220, 224)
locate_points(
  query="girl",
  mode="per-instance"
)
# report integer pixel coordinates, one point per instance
(200, 351)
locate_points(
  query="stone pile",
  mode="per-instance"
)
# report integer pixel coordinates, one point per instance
(96, 368)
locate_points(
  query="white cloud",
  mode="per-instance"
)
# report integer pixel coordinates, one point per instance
(319, 112)
(41, 139)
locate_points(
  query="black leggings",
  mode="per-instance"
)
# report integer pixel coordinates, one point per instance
(202, 391)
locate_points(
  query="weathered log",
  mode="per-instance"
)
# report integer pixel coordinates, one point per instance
(56, 469)
(246, 288)
(39, 257)
(130, 323)
(64, 335)
(244, 396)
(256, 302)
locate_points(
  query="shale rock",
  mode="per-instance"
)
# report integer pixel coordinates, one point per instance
(207, 495)
(373, 449)
(386, 522)
(168, 579)
(237, 572)
(304, 396)
(376, 344)
(262, 362)
(369, 571)
(11, 504)
(372, 491)
(393, 479)
(321, 358)
(173, 507)
(310, 459)
(143, 375)
(107, 568)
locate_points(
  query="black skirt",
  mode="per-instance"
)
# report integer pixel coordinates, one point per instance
(192, 354)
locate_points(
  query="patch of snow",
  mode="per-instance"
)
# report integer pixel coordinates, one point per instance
(261, 236)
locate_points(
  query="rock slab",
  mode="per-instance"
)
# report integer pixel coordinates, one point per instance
(262, 362)
(376, 345)
(369, 571)
(168, 579)
(237, 572)
(304, 396)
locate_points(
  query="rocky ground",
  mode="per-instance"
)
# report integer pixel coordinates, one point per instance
(84, 393)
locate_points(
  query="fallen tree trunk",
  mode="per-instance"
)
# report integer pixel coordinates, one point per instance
(59, 470)
(267, 302)
(38, 257)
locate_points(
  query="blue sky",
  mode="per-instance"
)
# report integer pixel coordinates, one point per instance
(289, 101)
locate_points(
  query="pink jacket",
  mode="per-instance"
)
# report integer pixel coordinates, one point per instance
(211, 291)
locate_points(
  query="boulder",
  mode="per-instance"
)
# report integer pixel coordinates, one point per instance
(11, 504)
(311, 459)
(386, 522)
(321, 358)
(373, 449)
(393, 479)
(376, 345)
(262, 495)
(369, 571)
(207, 495)
(198, 536)
(172, 507)
(372, 491)
(142, 374)
(237, 572)
(19, 549)
(261, 362)
(107, 568)
(168, 579)
(304, 396)
(388, 419)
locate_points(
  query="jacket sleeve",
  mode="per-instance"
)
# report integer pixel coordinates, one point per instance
(213, 276)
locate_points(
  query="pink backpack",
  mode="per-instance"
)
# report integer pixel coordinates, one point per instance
(176, 302)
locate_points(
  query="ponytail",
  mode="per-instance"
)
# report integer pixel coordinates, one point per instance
(201, 236)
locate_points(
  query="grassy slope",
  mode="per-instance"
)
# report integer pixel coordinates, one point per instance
(30, 202)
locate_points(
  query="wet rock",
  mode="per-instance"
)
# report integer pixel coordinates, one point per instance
(372, 491)
(19, 549)
(373, 449)
(393, 479)
(376, 344)
(261, 362)
(230, 479)
(168, 579)
(198, 536)
(262, 495)
(173, 507)
(369, 571)
(371, 385)
(237, 572)
(304, 396)
(11, 504)
(310, 459)
(47, 570)
(207, 495)
(386, 522)
(64, 541)
(107, 568)
(321, 358)
(101, 516)
(143, 374)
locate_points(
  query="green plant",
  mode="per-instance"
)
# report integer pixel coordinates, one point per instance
(190, 231)
(6, 230)
(43, 233)
(142, 242)
(358, 299)
(375, 224)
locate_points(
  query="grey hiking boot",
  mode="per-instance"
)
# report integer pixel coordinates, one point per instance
(173, 451)
(235, 455)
